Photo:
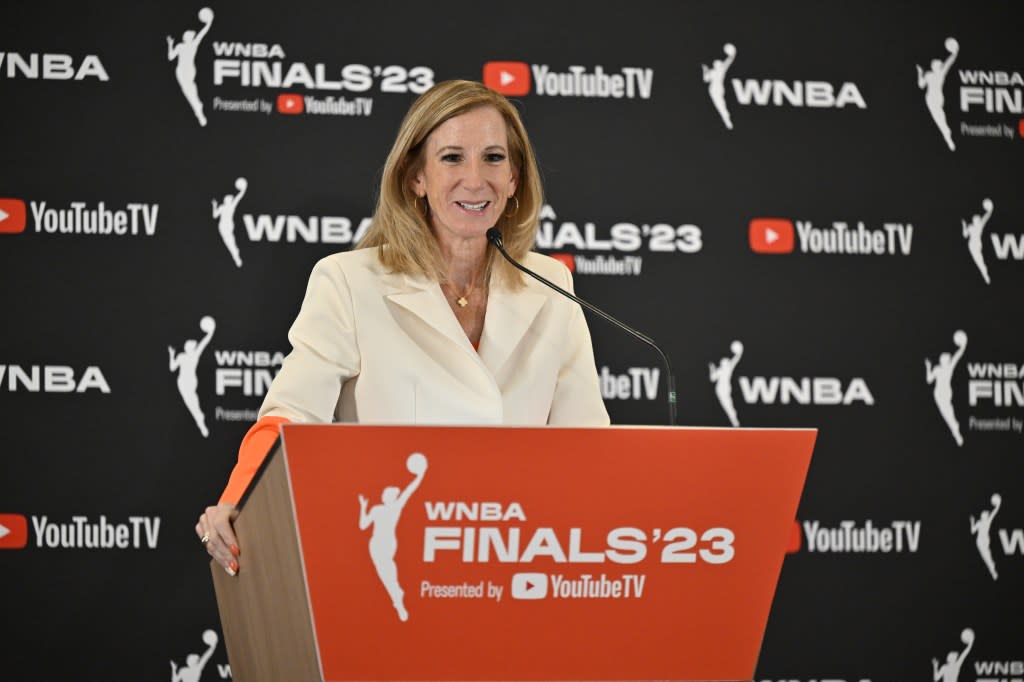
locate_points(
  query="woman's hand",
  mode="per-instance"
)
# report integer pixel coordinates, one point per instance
(215, 532)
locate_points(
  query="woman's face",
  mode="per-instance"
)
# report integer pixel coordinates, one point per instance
(467, 175)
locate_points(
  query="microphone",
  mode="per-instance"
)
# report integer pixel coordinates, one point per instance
(494, 237)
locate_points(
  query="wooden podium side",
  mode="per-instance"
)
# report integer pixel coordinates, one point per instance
(264, 610)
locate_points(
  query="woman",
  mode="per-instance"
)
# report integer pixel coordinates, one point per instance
(424, 323)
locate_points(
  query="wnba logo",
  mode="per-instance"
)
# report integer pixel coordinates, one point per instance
(1005, 246)
(1011, 540)
(784, 390)
(773, 92)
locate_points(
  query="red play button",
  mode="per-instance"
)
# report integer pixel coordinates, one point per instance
(290, 104)
(508, 78)
(12, 215)
(771, 235)
(13, 531)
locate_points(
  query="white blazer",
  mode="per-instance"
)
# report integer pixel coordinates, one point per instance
(375, 347)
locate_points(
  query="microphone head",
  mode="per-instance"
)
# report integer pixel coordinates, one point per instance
(494, 237)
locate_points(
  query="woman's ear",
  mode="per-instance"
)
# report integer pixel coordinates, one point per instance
(418, 185)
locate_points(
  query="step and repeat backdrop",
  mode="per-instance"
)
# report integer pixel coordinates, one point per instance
(815, 208)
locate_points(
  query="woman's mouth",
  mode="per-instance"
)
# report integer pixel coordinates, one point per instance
(472, 207)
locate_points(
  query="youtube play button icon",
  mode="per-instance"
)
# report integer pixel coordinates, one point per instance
(508, 78)
(288, 103)
(12, 216)
(771, 235)
(529, 586)
(13, 531)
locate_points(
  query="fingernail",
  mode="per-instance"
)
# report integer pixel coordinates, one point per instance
(232, 569)
(235, 550)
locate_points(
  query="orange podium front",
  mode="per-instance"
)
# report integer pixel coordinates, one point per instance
(463, 553)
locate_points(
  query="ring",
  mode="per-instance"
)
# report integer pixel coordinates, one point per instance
(205, 539)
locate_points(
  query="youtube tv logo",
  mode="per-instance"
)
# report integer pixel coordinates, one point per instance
(290, 104)
(529, 586)
(508, 78)
(13, 531)
(12, 216)
(771, 235)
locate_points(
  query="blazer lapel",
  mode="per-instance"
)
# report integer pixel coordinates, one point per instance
(509, 316)
(423, 298)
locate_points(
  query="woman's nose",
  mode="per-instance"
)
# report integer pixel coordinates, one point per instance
(474, 175)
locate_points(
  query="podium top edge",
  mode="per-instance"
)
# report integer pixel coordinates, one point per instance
(613, 427)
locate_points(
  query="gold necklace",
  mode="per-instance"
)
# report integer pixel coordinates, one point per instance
(463, 300)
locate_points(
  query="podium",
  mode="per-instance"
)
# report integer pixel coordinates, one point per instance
(502, 553)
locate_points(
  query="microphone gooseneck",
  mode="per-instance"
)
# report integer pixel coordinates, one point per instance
(494, 237)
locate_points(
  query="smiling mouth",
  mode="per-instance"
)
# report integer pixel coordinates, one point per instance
(478, 206)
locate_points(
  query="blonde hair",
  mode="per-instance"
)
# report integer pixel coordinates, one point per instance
(405, 230)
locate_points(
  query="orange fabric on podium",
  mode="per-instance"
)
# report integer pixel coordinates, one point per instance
(254, 448)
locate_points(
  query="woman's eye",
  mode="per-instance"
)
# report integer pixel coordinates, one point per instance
(495, 157)
(451, 158)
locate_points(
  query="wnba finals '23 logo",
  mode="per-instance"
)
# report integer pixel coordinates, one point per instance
(995, 387)
(980, 92)
(264, 67)
(240, 376)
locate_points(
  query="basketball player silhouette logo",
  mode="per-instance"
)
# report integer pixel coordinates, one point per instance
(384, 518)
(225, 214)
(721, 376)
(982, 529)
(950, 670)
(932, 82)
(185, 364)
(185, 68)
(972, 233)
(714, 76)
(192, 671)
(941, 375)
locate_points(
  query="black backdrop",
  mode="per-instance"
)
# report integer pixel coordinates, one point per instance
(97, 312)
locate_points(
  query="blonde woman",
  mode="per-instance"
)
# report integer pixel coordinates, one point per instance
(424, 323)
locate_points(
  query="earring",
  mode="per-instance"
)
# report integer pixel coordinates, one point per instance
(426, 207)
(514, 210)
